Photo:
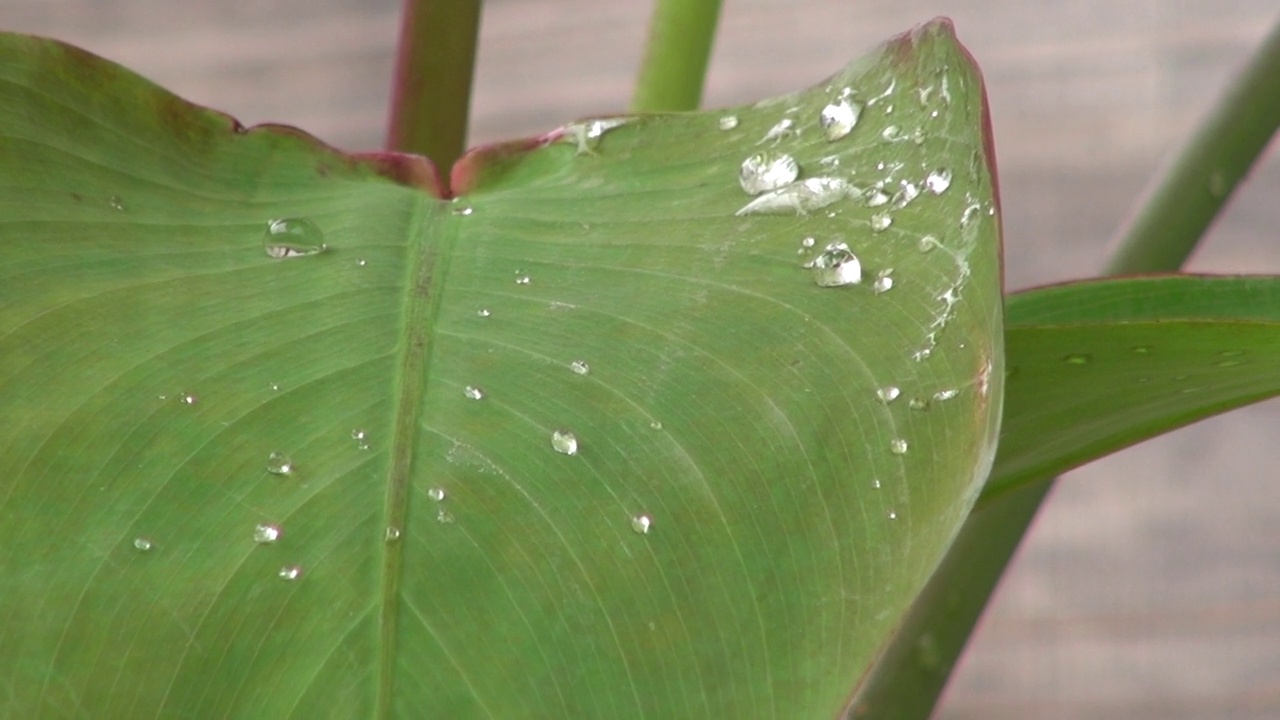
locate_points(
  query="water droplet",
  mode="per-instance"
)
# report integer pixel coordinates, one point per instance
(767, 171)
(728, 122)
(473, 393)
(807, 242)
(938, 181)
(290, 572)
(444, 516)
(565, 442)
(293, 237)
(1230, 362)
(839, 118)
(189, 399)
(888, 394)
(266, 534)
(875, 483)
(641, 523)
(1142, 349)
(893, 515)
(392, 534)
(483, 312)
(798, 198)
(918, 403)
(357, 434)
(116, 203)
(580, 367)
(436, 493)
(655, 425)
(1077, 359)
(463, 210)
(361, 438)
(522, 279)
(142, 544)
(944, 395)
(279, 464)
(883, 283)
(881, 221)
(586, 135)
(927, 243)
(360, 262)
(898, 446)
(783, 128)
(836, 266)
(275, 387)
(906, 193)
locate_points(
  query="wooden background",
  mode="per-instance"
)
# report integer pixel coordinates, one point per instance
(1150, 587)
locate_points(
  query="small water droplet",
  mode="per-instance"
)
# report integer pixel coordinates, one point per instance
(655, 425)
(807, 242)
(881, 221)
(783, 128)
(883, 283)
(888, 394)
(927, 243)
(463, 210)
(767, 171)
(142, 544)
(944, 395)
(875, 197)
(938, 181)
(728, 122)
(839, 118)
(293, 237)
(290, 572)
(436, 493)
(392, 534)
(918, 403)
(836, 266)
(361, 438)
(189, 399)
(279, 464)
(798, 198)
(580, 367)
(360, 262)
(893, 515)
(906, 193)
(266, 534)
(116, 203)
(473, 393)
(444, 516)
(522, 279)
(275, 387)
(564, 442)
(483, 312)
(1077, 359)
(898, 446)
(1142, 349)
(641, 523)
(357, 434)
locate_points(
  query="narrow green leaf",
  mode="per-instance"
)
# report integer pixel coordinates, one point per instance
(285, 438)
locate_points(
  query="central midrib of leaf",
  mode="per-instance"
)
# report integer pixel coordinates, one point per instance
(429, 249)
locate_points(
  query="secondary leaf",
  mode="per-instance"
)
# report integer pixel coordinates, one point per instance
(586, 442)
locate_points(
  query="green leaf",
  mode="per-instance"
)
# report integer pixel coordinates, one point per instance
(1093, 367)
(742, 521)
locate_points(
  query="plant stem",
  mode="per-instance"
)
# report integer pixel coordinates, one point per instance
(1176, 210)
(675, 62)
(431, 95)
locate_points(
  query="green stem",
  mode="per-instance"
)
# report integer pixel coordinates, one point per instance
(431, 96)
(675, 62)
(1173, 215)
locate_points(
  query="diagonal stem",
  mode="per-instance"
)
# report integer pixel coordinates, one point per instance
(675, 62)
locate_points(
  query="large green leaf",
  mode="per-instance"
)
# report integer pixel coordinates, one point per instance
(1093, 367)
(735, 527)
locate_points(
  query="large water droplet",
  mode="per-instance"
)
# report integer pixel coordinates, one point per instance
(142, 544)
(836, 266)
(290, 572)
(279, 464)
(565, 442)
(881, 221)
(580, 367)
(839, 118)
(727, 122)
(798, 198)
(471, 392)
(938, 181)
(767, 171)
(436, 493)
(898, 446)
(266, 534)
(293, 237)
(888, 394)
(641, 523)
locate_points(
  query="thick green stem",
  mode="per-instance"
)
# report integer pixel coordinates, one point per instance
(431, 96)
(675, 62)
(1173, 215)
